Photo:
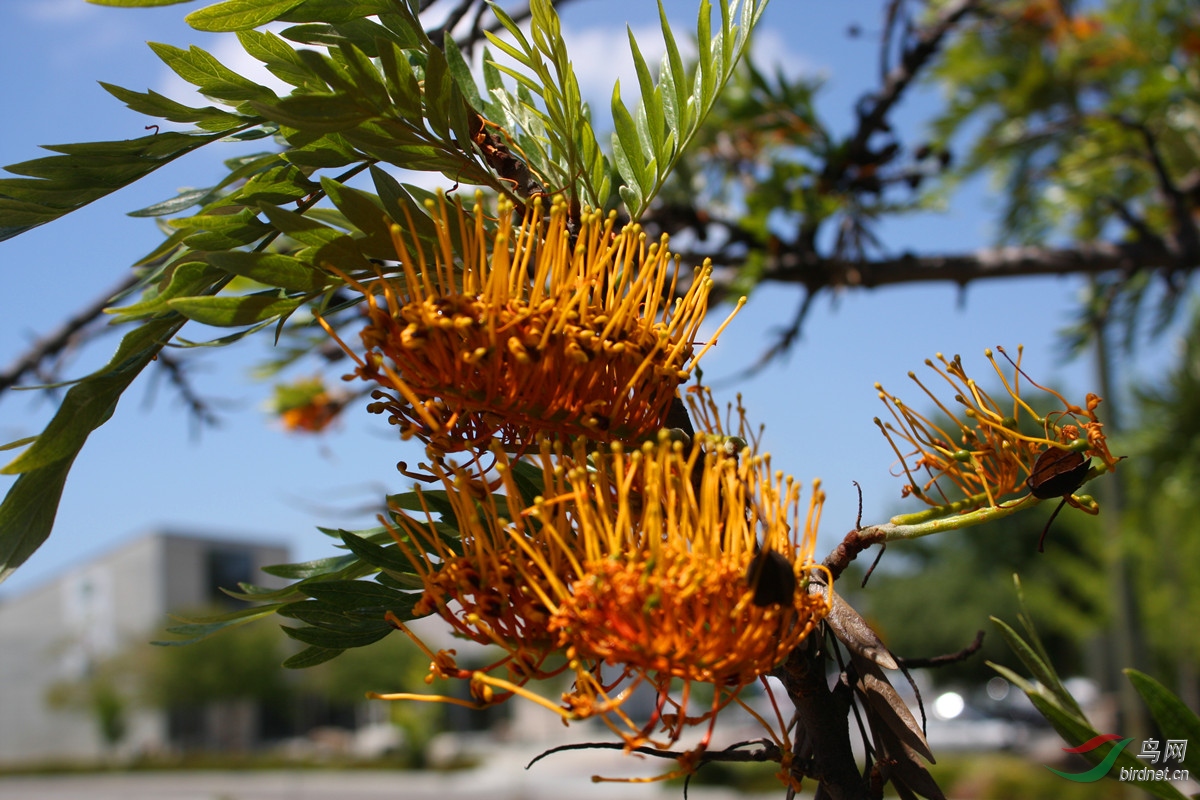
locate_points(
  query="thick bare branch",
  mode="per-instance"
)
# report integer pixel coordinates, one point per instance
(960, 268)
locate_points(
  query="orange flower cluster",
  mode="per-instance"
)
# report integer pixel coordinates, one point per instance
(649, 562)
(529, 328)
(575, 534)
(985, 450)
(307, 406)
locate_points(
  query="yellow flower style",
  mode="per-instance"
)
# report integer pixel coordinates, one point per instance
(546, 326)
(986, 449)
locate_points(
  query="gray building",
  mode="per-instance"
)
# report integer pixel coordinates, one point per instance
(56, 634)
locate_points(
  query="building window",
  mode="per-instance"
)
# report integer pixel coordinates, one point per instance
(225, 569)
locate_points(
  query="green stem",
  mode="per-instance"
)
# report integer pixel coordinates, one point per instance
(914, 526)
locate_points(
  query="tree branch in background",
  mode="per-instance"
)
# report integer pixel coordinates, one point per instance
(63, 337)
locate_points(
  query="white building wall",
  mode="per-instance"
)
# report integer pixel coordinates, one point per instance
(60, 630)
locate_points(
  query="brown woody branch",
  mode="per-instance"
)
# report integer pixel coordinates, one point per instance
(1091, 258)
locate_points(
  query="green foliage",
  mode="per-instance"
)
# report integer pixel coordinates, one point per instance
(1047, 95)
(1061, 710)
(648, 143)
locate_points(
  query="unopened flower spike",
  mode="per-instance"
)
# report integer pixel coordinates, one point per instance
(530, 326)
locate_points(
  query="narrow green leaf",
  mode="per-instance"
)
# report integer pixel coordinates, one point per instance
(334, 640)
(276, 185)
(84, 173)
(1041, 671)
(316, 113)
(186, 280)
(353, 595)
(1174, 719)
(651, 105)
(461, 73)
(402, 84)
(673, 67)
(185, 199)
(231, 311)
(27, 514)
(272, 269)
(194, 629)
(337, 11)
(312, 656)
(280, 58)
(389, 558)
(90, 402)
(29, 508)
(365, 212)
(327, 152)
(625, 135)
(154, 104)
(237, 15)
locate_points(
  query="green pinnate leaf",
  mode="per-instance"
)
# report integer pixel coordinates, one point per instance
(209, 75)
(185, 199)
(337, 640)
(318, 113)
(28, 511)
(280, 59)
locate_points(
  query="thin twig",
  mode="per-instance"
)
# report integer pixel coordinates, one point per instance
(769, 751)
(948, 658)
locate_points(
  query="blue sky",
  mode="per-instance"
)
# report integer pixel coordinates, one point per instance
(145, 469)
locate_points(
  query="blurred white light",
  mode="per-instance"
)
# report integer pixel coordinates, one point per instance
(997, 688)
(948, 705)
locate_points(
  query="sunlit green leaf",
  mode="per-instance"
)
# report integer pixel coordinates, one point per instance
(213, 78)
(272, 269)
(228, 311)
(82, 173)
(237, 15)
